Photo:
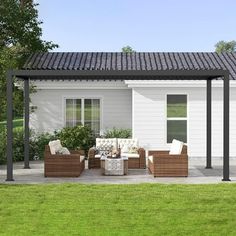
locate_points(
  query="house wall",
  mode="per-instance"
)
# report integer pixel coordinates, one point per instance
(149, 118)
(147, 104)
(50, 97)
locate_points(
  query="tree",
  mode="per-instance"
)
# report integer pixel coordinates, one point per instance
(127, 49)
(20, 35)
(224, 46)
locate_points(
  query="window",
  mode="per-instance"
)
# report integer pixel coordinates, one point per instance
(83, 112)
(176, 117)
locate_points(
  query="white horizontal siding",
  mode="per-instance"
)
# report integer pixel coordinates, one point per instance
(149, 118)
(49, 115)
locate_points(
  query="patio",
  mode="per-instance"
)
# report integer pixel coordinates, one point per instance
(198, 174)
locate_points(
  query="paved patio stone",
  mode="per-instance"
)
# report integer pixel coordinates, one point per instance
(197, 175)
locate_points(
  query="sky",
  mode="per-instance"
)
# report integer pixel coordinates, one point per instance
(145, 25)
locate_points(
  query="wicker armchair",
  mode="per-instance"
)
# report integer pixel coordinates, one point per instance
(63, 165)
(162, 164)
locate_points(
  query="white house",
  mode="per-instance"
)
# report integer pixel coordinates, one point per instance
(156, 110)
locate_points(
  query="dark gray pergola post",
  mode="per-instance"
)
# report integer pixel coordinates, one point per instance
(226, 129)
(26, 123)
(9, 126)
(208, 143)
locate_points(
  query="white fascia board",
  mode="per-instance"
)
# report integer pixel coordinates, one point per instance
(174, 83)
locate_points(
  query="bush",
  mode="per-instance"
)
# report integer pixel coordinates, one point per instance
(78, 137)
(38, 142)
(18, 145)
(3, 134)
(118, 133)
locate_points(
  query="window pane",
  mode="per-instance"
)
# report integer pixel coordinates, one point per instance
(78, 112)
(92, 114)
(69, 112)
(87, 109)
(177, 129)
(176, 106)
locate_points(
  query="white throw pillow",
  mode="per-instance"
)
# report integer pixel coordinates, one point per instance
(176, 147)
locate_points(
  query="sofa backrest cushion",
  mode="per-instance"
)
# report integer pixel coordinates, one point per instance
(106, 143)
(176, 147)
(127, 144)
(55, 146)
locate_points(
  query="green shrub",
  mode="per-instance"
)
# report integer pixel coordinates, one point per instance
(3, 134)
(78, 137)
(18, 145)
(118, 133)
(38, 142)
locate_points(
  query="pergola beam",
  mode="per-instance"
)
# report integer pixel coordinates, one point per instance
(194, 74)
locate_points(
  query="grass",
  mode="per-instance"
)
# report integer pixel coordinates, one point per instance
(17, 123)
(146, 209)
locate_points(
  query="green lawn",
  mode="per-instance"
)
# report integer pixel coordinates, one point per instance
(17, 123)
(146, 209)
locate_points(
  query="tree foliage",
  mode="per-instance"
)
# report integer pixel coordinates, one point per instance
(20, 35)
(127, 49)
(224, 46)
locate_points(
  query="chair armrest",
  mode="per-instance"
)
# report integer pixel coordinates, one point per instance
(141, 152)
(172, 156)
(156, 152)
(91, 153)
(80, 151)
(62, 156)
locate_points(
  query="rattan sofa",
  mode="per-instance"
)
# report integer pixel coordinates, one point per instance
(70, 165)
(135, 161)
(162, 164)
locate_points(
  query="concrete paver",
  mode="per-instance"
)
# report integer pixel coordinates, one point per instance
(197, 175)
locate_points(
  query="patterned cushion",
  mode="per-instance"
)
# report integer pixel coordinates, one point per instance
(63, 151)
(127, 144)
(106, 143)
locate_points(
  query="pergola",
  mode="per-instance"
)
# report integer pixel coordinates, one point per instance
(172, 74)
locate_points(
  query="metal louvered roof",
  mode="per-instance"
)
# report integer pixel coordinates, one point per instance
(137, 61)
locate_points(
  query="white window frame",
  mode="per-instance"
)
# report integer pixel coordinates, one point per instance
(177, 118)
(82, 108)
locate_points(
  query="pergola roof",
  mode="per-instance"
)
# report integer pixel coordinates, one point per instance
(137, 61)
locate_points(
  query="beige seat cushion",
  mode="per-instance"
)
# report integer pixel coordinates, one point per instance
(150, 158)
(82, 158)
(130, 155)
(97, 156)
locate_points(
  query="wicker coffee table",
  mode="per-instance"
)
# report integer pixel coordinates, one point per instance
(114, 166)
